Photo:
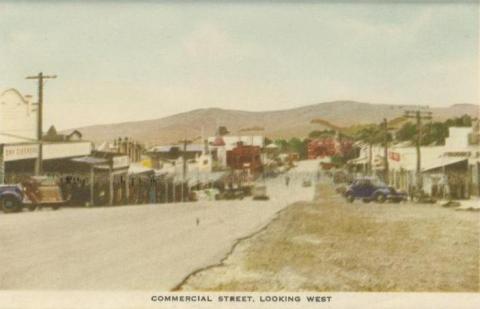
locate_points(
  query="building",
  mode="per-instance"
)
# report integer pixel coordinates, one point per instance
(124, 146)
(221, 145)
(53, 136)
(19, 146)
(174, 153)
(245, 157)
(451, 170)
(328, 147)
(448, 171)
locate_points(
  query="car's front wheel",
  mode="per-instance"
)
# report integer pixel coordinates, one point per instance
(380, 198)
(349, 197)
(10, 204)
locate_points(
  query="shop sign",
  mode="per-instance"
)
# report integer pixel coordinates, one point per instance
(395, 156)
(120, 162)
(20, 152)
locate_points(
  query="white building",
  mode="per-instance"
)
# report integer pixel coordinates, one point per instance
(454, 166)
(18, 136)
(18, 118)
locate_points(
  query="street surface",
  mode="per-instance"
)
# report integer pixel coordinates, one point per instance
(133, 247)
(332, 245)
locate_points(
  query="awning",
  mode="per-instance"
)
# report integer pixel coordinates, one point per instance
(135, 169)
(90, 160)
(360, 160)
(442, 161)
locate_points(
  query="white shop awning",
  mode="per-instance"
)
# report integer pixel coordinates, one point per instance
(443, 161)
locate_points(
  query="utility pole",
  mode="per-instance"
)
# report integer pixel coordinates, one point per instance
(385, 150)
(418, 116)
(40, 77)
(2, 165)
(185, 142)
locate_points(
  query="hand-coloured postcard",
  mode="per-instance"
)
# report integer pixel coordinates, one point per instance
(239, 154)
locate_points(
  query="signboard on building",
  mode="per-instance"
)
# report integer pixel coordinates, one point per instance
(66, 150)
(120, 162)
(20, 152)
(395, 156)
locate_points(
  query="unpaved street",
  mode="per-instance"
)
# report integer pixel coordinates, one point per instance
(331, 245)
(131, 247)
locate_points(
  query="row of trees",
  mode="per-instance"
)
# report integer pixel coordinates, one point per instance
(294, 145)
(433, 133)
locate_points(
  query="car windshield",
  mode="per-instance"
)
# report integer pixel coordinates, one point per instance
(371, 181)
(378, 183)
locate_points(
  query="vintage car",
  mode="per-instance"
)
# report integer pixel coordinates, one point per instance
(31, 193)
(371, 189)
(259, 192)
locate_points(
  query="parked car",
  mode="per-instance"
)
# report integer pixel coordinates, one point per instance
(32, 193)
(259, 192)
(371, 189)
(307, 183)
(11, 198)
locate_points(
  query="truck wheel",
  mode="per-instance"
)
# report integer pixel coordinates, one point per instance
(349, 197)
(55, 207)
(380, 198)
(10, 204)
(31, 207)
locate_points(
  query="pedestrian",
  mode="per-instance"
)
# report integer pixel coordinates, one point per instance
(287, 180)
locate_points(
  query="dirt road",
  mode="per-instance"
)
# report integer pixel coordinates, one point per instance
(132, 247)
(330, 245)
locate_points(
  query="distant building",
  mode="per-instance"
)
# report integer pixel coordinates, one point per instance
(328, 147)
(53, 136)
(124, 146)
(245, 157)
(221, 145)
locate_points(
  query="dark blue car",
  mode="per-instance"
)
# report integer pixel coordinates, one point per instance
(11, 198)
(370, 189)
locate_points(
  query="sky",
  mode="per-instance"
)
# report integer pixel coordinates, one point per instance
(129, 61)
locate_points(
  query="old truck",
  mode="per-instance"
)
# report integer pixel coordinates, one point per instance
(35, 192)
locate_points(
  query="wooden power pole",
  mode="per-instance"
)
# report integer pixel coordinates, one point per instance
(2, 165)
(418, 116)
(385, 150)
(40, 77)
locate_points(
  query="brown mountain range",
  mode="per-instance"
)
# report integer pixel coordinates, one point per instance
(295, 122)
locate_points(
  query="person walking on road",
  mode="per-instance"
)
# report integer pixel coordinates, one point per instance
(287, 180)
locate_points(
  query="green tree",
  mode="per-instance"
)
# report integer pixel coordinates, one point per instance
(370, 135)
(299, 146)
(282, 144)
(406, 133)
(321, 133)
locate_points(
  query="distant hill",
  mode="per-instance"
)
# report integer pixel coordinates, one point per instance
(274, 124)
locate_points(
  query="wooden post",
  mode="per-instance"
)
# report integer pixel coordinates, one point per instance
(127, 188)
(92, 185)
(2, 165)
(110, 186)
(166, 190)
(174, 196)
(385, 151)
(40, 77)
(181, 191)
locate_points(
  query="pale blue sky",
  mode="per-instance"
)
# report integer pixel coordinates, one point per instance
(119, 62)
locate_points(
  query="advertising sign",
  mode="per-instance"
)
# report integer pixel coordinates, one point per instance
(20, 152)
